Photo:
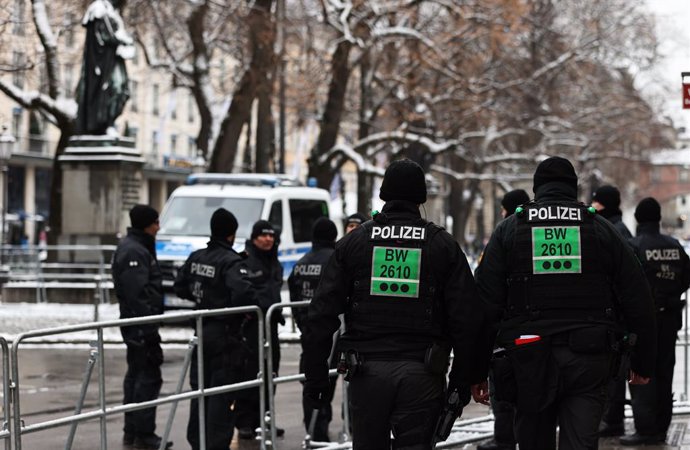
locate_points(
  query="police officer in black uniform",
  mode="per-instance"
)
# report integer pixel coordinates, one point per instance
(215, 277)
(266, 274)
(302, 282)
(667, 268)
(138, 286)
(504, 412)
(606, 200)
(405, 288)
(550, 271)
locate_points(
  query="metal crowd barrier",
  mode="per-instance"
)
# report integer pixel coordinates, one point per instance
(5, 433)
(18, 428)
(27, 264)
(273, 381)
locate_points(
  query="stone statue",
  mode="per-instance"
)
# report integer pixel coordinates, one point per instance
(103, 88)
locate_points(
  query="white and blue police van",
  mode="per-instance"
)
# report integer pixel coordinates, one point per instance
(286, 203)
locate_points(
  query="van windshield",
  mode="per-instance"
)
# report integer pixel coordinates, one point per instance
(191, 216)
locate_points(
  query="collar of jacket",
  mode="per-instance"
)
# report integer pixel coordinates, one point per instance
(555, 191)
(648, 228)
(219, 243)
(145, 239)
(402, 207)
(613, 215)
(317, 245)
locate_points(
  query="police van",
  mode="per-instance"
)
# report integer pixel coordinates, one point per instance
(286, 203)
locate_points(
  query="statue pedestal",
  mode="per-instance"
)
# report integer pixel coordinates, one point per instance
(101, 180)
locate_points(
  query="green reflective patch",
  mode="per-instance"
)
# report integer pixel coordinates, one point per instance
(395, 271)
(556, 250)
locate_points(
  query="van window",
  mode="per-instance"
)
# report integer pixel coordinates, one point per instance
(191, 216)
(276, 216)
(303, 214)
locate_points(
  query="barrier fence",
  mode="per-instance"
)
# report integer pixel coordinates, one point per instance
(18, 428)
(13, 429)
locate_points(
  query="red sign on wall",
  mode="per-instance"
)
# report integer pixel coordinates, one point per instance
(686, 89)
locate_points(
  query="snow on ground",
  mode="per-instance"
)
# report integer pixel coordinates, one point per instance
(17, 318)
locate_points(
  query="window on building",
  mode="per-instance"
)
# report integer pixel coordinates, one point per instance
(303, 214)
(190, 108)
(68, 78)
(154, 143)
(173, 105)
(656, 174)
(134, 95)
(70, 23)
(191, 146)
(17, 122)
(18, 61)
(156, 95)
(19, 17)
(42, 186)
(683, 175)
(15, 189)
(173, 144)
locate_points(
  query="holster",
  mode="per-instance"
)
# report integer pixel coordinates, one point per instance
(437, 358)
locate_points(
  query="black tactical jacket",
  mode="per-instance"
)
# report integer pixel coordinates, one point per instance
(305, 277)
(266, 274)
(138, 283)
(633, 301)
(459, 307)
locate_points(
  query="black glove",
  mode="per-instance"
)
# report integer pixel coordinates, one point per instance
(315, 393)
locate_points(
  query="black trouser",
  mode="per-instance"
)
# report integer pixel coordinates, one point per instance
(325, 415)
(653, 403)
(247, 403)
(614, 413)
(504, 416)
(571, 394)
(401, 396)
(219, 416)
(142, 383)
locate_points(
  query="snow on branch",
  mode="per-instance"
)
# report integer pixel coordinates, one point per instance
(465, 176)
(59, 108)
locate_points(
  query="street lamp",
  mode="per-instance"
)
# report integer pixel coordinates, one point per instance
(6, 146)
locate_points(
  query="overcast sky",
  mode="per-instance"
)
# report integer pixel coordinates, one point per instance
(673, 31)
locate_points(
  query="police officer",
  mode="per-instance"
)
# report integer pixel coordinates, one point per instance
(354, 221)
(215, 277)
(302, 282)
(607, 201)
(667, 268)
(138, 286)
(504, 412)
(407, 293)
(266, 274)
(550, 271)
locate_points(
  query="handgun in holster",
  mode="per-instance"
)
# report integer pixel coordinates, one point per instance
(349, 364)
(625, 348)
(451, 411)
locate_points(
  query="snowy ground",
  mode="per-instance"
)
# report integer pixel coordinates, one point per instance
(17, 318)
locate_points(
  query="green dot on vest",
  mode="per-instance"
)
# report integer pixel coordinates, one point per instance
(374, 212)
(592, 209)
(518, 210)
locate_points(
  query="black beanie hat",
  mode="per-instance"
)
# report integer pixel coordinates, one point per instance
(324, 230)
(648, 210)
(404, 180)
(608, 196)
(555, 168)
(357, 218)
(223, 224)
(513, 199)
(142, 216)
(262, 227)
